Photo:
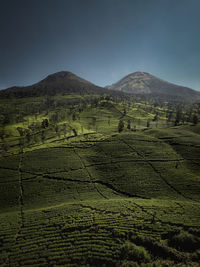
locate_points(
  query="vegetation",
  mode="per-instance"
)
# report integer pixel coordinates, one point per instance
(99, 180)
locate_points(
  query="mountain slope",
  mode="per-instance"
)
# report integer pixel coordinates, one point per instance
(147, 84)
(63, 82)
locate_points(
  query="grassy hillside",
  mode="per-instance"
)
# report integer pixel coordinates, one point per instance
(78, 191)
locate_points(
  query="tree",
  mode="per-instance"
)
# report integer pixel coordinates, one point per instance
(43, 136)
(20, 131)
(45, 123)
(28, 136)
(75, 132)
(120, 126)
(2, 133)
(73, 116)
(5, 147)
(169, 115)
(21, 142)
(35, 138)
(155, 117)
(124, 111)
(2, 119)
(94, 119)
(54, 118)
(56, 129)
(64, 129)
(148, 124)
(129, 124)
(195, 119)
(48, 102)
(178, 118)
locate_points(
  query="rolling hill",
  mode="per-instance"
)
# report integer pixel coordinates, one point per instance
(143, 83)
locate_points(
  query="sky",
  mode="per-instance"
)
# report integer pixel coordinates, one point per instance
(99, 40)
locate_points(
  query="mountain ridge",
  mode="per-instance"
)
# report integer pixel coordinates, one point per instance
(63, 82)
(137, 83)
(148, 84)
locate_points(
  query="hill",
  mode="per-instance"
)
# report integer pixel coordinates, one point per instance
(63, 82)
(143, 83)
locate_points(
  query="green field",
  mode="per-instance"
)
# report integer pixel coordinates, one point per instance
(77, 192)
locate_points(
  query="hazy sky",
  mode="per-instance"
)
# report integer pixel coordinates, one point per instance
(99, 40)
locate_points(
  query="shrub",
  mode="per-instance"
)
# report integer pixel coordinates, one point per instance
(145, 241)
(196, 255)
(120, 126)
(194, 231)
(131, 251)
(185, 241)
(162, 250)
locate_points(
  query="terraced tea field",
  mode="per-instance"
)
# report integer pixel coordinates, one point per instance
(131, 199)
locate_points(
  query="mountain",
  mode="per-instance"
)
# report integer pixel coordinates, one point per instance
(143, 83)
(139, 83)
(64, 77)
(63, 82)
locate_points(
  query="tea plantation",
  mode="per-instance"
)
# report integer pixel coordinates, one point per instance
(98, 183)
(131, 199)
